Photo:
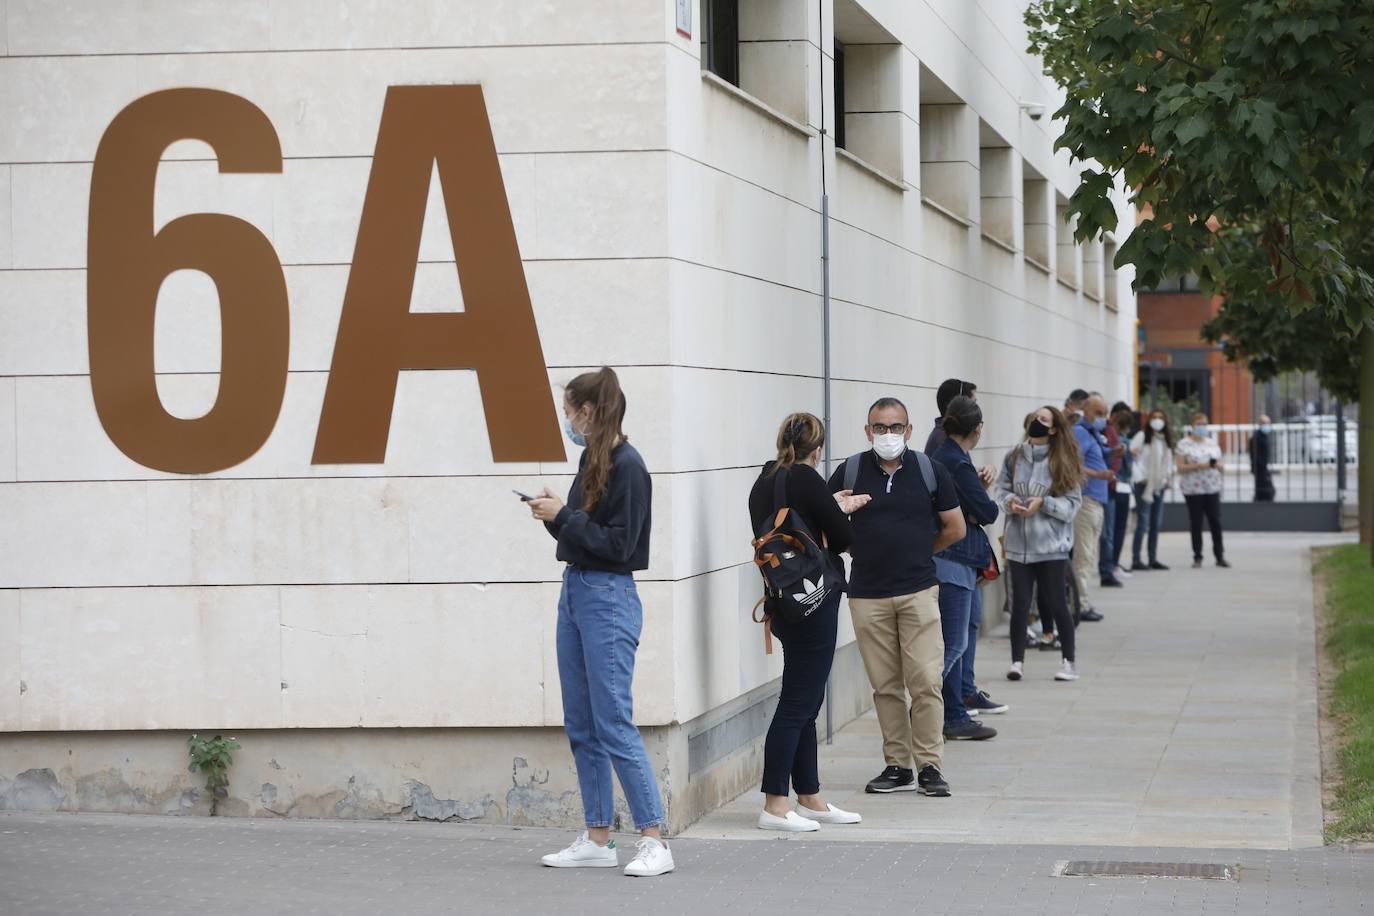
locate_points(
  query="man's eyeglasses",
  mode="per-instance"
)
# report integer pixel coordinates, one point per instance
(882, 429)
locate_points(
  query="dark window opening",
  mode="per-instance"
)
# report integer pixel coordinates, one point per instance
(720, 28)
(839, 96)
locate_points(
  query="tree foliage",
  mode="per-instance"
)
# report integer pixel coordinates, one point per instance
(1246, 128)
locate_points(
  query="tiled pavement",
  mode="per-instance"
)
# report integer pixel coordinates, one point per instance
(123, 864)
(1194, 724)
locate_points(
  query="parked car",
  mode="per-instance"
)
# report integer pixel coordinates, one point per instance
(1317, 439)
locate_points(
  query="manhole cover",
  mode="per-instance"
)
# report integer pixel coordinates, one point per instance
(1100, 869)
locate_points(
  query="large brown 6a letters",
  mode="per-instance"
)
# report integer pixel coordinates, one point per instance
(495, 334)
(378, 335)
(126, 264)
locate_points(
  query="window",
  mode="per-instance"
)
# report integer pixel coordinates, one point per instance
(720, 38)
(998, 171)
(869, 121)
(949, 150)
(1092, 269)
(1066, 251)
(1038, 219)
(839, 96)
(1109, 280)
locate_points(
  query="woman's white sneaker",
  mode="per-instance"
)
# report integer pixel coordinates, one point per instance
(792, 823)
(652, 858)
(831, 815)
(1066, 672)
(1015, 672)
(583, 853)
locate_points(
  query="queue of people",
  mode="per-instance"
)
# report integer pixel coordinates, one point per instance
(913, 523)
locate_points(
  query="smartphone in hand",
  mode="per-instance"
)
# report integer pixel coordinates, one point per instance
(524, 497)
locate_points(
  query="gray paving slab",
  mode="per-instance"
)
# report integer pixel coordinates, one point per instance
(1194, 724)
(93, 864)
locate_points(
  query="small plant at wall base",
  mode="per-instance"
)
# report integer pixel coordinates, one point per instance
(213, 757)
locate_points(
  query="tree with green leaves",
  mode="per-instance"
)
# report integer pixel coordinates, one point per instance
(1246, 129)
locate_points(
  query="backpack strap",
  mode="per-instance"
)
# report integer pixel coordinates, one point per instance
(927, 474)
(851, 471)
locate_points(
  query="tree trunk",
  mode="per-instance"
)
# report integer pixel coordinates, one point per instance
(1366, 440)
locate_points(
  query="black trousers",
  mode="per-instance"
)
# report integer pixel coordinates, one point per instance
(1208, 504)
(808, 651)
(1046, 580)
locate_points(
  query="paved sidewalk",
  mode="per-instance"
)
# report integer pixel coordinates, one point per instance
(93, 864)
(1194, 724)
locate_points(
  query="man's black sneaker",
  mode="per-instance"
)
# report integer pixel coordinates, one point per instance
(1155, 564)
(932, 783)
(1112, 582)
(1223, 564)
(1137, 566)
(1091, 616)
(892, 779)
(982, 703)
(969, 731)
(1197, 562)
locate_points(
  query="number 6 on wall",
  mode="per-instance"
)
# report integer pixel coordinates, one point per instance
(126, 264)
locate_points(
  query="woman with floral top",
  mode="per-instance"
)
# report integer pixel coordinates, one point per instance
(1199, 468)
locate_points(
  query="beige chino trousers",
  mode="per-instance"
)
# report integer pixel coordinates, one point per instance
(903, 650)
(1087, 540)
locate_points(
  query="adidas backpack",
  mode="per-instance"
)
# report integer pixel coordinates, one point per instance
(797, 571)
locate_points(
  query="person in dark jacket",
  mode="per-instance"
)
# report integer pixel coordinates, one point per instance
(958, 565)
(1261, 450)
(808, 645)
(603, 536)
(949, 389)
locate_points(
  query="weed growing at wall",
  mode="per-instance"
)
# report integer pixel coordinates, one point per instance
(213, 757)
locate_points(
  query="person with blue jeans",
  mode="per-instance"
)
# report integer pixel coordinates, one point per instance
(1123, 421)
(1106, 549)
(603, 537)
(1153, 451)
(958, 565)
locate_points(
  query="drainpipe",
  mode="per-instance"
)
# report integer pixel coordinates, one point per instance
(825, 311)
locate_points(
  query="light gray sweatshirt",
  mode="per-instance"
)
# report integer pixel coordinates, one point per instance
(1048, 534)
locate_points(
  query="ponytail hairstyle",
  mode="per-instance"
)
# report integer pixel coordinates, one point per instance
(600, 389)
(798, 437)
(962, 417)
(1066, 460)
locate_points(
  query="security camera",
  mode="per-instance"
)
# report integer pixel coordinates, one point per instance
(1035, 110)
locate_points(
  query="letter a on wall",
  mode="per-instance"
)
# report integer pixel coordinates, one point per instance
(379, 335)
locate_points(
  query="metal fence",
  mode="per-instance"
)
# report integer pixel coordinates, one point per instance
(1307, 460)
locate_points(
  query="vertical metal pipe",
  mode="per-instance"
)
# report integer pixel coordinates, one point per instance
(825, 308)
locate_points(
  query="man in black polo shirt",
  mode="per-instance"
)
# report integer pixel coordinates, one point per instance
(894, 596)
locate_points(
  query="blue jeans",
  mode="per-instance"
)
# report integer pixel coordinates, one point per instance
(1149, 509)
(965, 664)
(1106, 566)
(599, 621)
(956, 605)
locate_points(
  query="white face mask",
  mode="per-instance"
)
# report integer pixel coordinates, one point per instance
(1157, 425)
(889, 445)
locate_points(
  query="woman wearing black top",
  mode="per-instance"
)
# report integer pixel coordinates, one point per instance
(603, 536)
(789, 752)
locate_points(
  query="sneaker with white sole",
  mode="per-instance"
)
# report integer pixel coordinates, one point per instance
(584, 853)
(831, 815)
(791, 823)
(1066, 672)
(1015, 672)
(653, 857)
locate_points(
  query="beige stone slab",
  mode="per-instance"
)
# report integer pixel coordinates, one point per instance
(173, 658)
(12, 686)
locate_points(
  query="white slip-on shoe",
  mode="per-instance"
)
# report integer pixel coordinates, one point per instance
(832, 815)
(1015, 672)
(1066, 672)
(583, 853)
(792, 823)
(652, 858)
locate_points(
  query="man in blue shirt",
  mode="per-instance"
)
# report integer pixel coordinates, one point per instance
(1087, 525)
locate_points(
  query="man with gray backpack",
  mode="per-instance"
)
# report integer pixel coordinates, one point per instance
(894, 594)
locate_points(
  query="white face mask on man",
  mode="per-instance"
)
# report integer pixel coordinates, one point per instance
(889, 445)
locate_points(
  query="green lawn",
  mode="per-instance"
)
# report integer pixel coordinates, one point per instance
(1350, 642)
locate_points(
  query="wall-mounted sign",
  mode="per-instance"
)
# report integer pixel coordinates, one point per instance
(378, 335)
(684, 18)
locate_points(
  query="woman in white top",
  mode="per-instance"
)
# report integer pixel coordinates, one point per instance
(1153, 450)
(1199, 466)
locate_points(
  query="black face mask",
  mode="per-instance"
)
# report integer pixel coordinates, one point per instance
(1038, 430)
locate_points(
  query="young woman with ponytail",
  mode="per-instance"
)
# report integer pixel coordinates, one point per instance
(808, 645)
(603, 537)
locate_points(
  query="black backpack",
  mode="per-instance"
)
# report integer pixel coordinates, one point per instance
(797, 571)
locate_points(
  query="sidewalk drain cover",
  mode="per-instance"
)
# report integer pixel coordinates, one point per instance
(1103, 869)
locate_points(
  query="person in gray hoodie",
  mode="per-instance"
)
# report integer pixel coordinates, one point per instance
(1040, 488)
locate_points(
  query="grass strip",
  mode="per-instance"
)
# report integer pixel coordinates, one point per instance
(1350, 646)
